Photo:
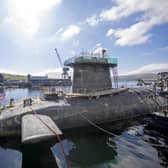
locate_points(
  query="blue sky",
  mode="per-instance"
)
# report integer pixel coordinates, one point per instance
(135, 32)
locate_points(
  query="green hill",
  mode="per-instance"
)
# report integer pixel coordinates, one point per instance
(13, 77)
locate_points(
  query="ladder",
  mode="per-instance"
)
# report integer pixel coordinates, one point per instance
(115, 76)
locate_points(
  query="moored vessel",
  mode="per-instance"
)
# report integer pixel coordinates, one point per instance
(94, 98)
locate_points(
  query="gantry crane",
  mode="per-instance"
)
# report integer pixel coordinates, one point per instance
(65, 70)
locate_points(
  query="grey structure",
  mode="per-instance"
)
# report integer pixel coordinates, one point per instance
(91, 74)
(45, 81)
(88, 78)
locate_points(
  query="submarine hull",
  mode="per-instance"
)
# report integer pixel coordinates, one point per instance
(78, 112)
(105, 109)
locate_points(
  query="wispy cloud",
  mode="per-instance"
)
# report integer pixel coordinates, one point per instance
(154, 13)
(70, 32)
(65, 34)
(92, 21)
(135, 34)
(110, 32)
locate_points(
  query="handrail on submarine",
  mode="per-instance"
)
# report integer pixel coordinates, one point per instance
(98, 93)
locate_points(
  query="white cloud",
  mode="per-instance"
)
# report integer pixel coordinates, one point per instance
(153, 13)
(110, 32)
(70, 32)
(135, 34)
(65, 34)
(151, 68)
(93, 20)
(125, 8)
(25, 15)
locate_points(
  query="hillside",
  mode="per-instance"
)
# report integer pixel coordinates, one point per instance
(121, 77)
(138, 76)
(13, 77)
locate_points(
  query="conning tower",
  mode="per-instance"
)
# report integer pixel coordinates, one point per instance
(92, 72)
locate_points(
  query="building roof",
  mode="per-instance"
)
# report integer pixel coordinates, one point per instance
(38, 77)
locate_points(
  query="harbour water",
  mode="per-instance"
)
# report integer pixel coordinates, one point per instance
(134, 146)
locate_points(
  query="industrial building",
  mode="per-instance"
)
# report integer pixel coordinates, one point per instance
(45, 81)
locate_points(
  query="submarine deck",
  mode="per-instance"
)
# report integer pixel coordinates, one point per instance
(39, 104)
(36, 105)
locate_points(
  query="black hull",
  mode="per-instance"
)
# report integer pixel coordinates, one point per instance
(72, 113)
(106, 109)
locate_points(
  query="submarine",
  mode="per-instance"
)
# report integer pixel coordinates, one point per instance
(94, 99)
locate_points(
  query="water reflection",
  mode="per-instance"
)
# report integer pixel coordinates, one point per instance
(88, 150)
(21, 93)
(16, 155)
(155, 137)
(10, 158)
(132, 148)
(35, 156)
(91, 151)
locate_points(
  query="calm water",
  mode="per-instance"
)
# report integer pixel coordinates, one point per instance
(131, 148)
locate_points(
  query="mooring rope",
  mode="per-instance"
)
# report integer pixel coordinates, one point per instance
(56, 136)
(110, 133)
